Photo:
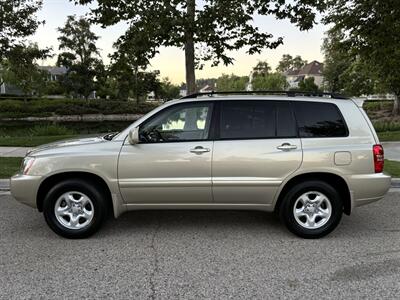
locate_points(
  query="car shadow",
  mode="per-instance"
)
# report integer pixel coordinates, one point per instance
(193, 220)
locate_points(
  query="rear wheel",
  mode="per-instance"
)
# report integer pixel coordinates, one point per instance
(311, 209)
(74, 208)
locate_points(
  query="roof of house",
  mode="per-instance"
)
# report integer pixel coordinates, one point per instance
(312, 68)
(54, 70)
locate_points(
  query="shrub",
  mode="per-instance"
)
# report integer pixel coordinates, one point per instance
(44, 107)
(46, 130)
(377, 105)
(381, 126)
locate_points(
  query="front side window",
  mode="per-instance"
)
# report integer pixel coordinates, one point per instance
(319, 120)
(183, 122)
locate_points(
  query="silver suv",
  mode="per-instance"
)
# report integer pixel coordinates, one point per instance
(308, 158)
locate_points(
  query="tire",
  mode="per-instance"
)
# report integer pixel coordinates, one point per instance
(81, 208)
(311, 200)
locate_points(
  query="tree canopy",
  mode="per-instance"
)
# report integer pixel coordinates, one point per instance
(80, 56)
(232, 83)
(289, 62)
(207, 32)
(21, 68)
(17, 21)
(345, 72)
(371, 32)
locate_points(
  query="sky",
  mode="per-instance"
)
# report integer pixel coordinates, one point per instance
(170, 61)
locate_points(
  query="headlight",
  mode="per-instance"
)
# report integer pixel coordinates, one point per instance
(27, 164)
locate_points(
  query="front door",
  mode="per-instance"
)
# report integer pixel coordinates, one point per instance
(172, 162)
(257, 149)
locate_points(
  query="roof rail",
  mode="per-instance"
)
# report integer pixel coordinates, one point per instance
(286, 93)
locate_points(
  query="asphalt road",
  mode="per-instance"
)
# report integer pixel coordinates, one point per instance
(203, 254)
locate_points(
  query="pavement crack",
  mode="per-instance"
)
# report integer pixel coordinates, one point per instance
(155, 269)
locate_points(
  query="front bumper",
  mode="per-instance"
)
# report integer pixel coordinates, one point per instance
(368, 188)
(24, 188)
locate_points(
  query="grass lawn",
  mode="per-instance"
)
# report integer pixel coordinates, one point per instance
(392, 168)
(388, 136)
(9, 166)
(31, 141)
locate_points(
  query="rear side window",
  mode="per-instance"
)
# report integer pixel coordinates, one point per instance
(256, 119)
(319, 120)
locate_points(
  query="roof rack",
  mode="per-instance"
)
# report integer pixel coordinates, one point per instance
(286, 93)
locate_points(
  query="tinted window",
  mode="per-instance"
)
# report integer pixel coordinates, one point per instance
(319, 120)
(285, 122)
(256, 119)
(179, 123)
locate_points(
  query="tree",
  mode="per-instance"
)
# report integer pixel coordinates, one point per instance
(272, 82)
(261, 69)
(168, 91)
(344, 72)
(232, 83)
(128, 68)
(17, 21)
(213, 28)
(287, 63)
(80, 56)
(21, 68)
(372, 33)
(308, 85)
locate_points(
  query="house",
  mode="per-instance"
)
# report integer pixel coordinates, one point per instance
(55, 73)
(312, 69)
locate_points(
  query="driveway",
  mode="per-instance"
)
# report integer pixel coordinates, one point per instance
(201, 254)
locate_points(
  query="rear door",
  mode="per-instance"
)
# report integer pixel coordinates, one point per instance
(256, 148)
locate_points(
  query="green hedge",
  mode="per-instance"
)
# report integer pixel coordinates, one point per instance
(381, 126)
(377, 105)
(47, 107)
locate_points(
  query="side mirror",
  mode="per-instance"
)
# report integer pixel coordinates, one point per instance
(133, 137)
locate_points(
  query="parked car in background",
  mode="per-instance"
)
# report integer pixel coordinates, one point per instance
(308, 158)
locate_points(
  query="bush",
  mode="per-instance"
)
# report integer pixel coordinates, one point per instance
(381, 126)
(45, 107)
(377, 105)
(50, 130)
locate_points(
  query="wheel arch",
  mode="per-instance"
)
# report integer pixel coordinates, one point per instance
(50, 181)
(335, 180)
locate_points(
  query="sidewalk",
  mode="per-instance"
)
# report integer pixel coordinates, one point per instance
(392, 150)
(14, 151)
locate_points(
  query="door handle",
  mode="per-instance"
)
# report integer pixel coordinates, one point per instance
(286, 147)
(199, 150)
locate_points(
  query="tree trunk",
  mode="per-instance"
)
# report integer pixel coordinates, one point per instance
(189, 48)
(396, 106)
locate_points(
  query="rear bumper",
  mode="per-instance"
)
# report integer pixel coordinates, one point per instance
(368, 188)
(24, 188)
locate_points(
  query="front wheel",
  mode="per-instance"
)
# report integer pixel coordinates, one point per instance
(74, 208)
(311, 209)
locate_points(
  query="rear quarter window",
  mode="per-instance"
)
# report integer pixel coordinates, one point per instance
(316, 119)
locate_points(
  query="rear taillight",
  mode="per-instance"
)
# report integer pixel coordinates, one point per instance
(378, 158)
